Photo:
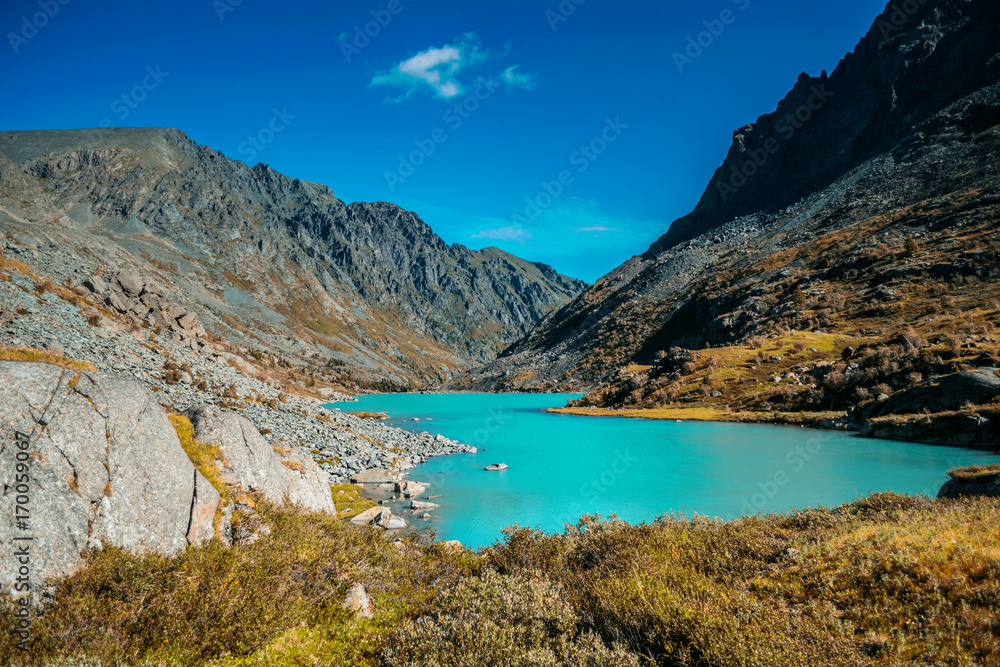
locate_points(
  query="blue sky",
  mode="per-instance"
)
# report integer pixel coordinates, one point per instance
(568, 137)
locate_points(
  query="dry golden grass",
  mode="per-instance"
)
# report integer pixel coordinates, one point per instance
(203, 456)
(370, 415)
(975, 472)
(32, 355)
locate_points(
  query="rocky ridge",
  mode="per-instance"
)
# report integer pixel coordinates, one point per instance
(269, 261)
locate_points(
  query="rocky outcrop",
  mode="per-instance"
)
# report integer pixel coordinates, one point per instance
(279, 475)
(131, 296)
(949, 392)
(975, 481)
(104, 466)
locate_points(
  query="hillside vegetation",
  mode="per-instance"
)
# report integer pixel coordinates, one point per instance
(886, 580)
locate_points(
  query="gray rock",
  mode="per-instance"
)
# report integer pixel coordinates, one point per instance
(131, 283)
(117, 301)
(295, 477)
(55, 347)
(357, 600)
(187, 321)
(95, 284)
(107, 467)
(421, 505)
(985, 485)
(951, 392)
(496, 467)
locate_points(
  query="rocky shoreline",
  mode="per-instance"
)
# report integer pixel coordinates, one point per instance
(83, 325)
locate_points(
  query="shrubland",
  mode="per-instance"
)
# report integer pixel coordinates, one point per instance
(885, 580)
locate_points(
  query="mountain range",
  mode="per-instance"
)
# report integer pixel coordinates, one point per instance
(269, 261)
(853, 207)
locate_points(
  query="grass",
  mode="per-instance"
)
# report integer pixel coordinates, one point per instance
(203, 456)
(349, 501)
(703, 414)
(975, 472)
(370, 415)
(887, 580)
(41, 356)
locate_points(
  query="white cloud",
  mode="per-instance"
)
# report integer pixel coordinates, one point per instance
(596, 229)
(508, 233)
(515, 79)
(436, 70)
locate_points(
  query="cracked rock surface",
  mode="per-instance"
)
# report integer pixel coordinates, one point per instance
(105, 466)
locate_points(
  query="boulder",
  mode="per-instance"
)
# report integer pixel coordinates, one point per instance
(946, 393)
(369, 515)
(966, 482)
(54, 347)
(95, 284)
(375, 476)
(130, 283)
(495, 467)
(105, 466)
(421, 505)
(357, 600)
(158, 319)
(117, 301)
(187, 320)
(293, 477)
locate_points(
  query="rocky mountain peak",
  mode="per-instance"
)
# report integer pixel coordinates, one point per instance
(916, 59)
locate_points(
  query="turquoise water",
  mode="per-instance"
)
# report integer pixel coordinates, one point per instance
(563, 466)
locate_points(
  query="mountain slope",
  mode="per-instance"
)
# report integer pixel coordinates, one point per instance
(269, 260)
(899, 141)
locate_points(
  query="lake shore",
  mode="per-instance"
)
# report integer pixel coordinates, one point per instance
(957, 428)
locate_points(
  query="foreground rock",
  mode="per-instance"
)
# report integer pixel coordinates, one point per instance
(972, 481)
(278, 474)
(376, 476)
(357, 600)
(105, 465)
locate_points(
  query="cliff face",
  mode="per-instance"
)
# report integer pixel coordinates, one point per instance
(900, 140)
(269, 259)
(913, 63)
